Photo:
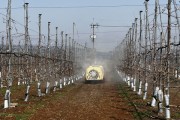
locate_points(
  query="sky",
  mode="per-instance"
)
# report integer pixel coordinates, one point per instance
(62, 14)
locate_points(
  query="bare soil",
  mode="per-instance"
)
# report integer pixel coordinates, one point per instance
(95, 101)
(79, 101)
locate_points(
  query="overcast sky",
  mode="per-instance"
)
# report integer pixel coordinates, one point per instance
(62, 14)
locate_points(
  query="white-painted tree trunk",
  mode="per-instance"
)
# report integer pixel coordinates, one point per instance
(132, 82)
(47, 87)
(128, 80)
(145, 91)
(39, 89)
(154, 99)
(140, 88)
(60, 84)
(160, 103)
(134, 85)
(55, 85)
(64, 81)
(27, 93)
(7, 99)
(167, 109)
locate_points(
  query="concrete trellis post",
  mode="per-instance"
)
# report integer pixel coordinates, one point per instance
(145, 58)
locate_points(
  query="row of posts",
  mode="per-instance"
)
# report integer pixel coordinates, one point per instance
(151, 61)
(58, 63)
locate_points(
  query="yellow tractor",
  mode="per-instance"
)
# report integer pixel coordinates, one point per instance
(94, 73)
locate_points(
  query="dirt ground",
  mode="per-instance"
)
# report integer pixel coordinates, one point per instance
(78, 101)
(94, 101)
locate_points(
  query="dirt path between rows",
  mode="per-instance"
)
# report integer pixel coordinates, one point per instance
(87, 102)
